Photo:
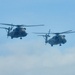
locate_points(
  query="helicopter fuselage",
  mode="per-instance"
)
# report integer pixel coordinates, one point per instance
(17, 32)
(60, 39)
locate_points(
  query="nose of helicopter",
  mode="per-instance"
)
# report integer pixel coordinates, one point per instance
(24, 34)
(64, 41)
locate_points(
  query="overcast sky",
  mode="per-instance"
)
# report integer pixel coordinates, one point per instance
(30, 56)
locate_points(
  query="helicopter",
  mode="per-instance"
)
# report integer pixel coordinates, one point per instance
(57, 39)
(17, 32)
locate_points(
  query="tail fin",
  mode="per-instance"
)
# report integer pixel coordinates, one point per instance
(45, 35)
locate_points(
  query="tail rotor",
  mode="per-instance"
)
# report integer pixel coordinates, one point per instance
(7, 30)
(45, 35)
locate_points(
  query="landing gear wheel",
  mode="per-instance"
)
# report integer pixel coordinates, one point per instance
(11, 37)
(20, 37)
(51, 44)
(60, 44)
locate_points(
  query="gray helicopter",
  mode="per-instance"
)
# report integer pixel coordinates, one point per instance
(17, 32)
(57, 39)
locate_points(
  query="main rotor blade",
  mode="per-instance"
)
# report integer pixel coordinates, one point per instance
(21, 25)
(69, 31)
(6, 24)
(3, 28)
(33, 25)
(66, 31)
